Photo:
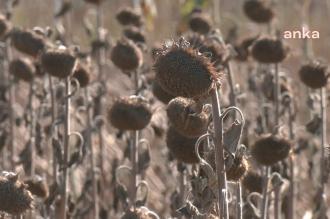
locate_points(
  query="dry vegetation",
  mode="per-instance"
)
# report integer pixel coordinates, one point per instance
(151, 109)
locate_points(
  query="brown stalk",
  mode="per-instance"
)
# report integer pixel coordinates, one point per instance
(219, 156)
(134, 147)
(53, 116)
(277, 92)
(136, 81)
(98, 101)
(101, 52)
(98, 122)
(277, 182)
(11, 113)
(99, 58)
(264, 209)
(134, 160)
(264, 206)
(323, 148)
(102, 152)
(52, 96)
(182, 185)
(92, 160)
(239, 201)
(307, 44)
(3, 77)
(277, 203)
(291, 208)
(64, 195)
(12, 126)
(32, 128)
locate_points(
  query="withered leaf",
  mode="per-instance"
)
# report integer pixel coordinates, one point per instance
(232, 136)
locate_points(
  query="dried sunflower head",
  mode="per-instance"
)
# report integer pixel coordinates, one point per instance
(181, 147)
(37, 187)
(200, 23)
(208, 47)
(82, 74)
(95, 2)
(22, 69)
(160, 93)
(253, 182)
(15, 199)
(314, 74)
(128, 16)
(186, 117)
(269, 50)
(27, 41)
(126, 55)
(59, 62)
(270, 149)
(183, 71)
(237, 170)
(130, 113)
(258, 11)
(135, 34)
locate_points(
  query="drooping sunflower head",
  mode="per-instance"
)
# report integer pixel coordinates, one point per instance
(183, 71)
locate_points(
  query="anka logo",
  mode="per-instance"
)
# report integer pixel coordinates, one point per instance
(304, 33)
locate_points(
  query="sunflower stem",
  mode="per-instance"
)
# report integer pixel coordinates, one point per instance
(264, 206)
(12, 110)
(277, 203)
(12, 126)
(100, 54)
(101, 157)
(291, 206)
(53, 116)
(136, 82)
(32, 128)
(277, 93)
(99, 60)
(233, 102)
(64, 195)
(3, 80)
(219, 155)
(239, 201)
(182, 184)
(92, 161)
(323, 148)
(134, 160)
